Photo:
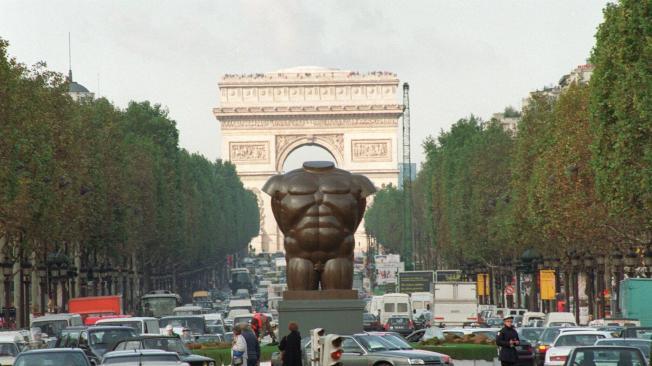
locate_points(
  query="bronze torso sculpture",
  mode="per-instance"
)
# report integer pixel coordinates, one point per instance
(318, 208)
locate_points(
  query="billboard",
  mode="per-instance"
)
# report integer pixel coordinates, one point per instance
(548, 286)
(415, 281)
(448, 275)
(387, 266)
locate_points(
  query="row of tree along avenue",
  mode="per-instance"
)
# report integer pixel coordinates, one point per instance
(99, 200)
(569, 190)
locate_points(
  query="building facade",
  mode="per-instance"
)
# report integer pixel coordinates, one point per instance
(265, 117)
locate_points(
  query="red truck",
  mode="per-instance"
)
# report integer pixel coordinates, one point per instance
(94, 308)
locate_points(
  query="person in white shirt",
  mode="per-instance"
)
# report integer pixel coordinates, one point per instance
(239, 348)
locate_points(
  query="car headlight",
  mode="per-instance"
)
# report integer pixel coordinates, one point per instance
(416, 361)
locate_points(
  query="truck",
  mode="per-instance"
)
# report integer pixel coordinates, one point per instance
(634, 299)
(159, 303)
(94, 308)
(454, 303)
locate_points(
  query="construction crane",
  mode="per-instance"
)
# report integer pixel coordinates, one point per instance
(406, 169)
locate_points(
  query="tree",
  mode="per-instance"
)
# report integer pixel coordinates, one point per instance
(621, 115)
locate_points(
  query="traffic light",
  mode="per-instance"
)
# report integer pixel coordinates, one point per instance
(331, 350)
(315, 345)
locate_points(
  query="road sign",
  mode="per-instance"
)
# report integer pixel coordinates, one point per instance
(415, 281)
(509, 290)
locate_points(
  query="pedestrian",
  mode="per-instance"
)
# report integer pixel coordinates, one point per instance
(169, 331)
(507, 339)
(239, 348)
(253, 347)
(290, 346)
(186, 337)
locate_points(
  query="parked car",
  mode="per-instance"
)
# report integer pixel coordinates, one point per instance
(606, 356)
(371, 323)
(400, 324)
(54, 356)
(164, 343)
(95, 341)
(461, 332)
(144, 357)
(644, 345)
(566, 341)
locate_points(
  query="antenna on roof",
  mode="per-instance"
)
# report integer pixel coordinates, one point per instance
(69, 59)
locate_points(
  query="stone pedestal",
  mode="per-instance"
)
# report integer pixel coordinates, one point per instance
(337, 311)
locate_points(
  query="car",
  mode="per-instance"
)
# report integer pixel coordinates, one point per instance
(210, 339)
(52, 325)
(9, 349)
(399, 323)
(144, 357)
(566, 341)
(532, 334)
(644, 345)
(560, 318)
(164, 343)
(637, 332)
(490, 333)
(54, 356)
(142, 325)
(95, 340)
(494, 322)
(547, 337)
(372, 349)
(416, 336)
(371, 323)
(196, 323)
(605, 356)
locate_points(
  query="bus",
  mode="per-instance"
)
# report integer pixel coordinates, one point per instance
(240, 279)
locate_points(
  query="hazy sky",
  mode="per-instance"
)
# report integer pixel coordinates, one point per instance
(460, 57)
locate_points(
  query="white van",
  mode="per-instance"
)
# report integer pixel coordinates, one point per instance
(532, 315)
(421, 301)
(559, 318)
(53, 324)
(395, 304)
(187, 310)
(142, 325)
(213, 319)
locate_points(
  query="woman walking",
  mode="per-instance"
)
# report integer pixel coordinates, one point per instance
(290, 346)
(239, 348)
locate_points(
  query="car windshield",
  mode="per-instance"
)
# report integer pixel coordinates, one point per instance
(397, 341)
(643, 333)
(159, 306)
(376, 344)
(139, 359)
(369, 317)
(608, 357)
(642, 344)
(100, 340)
(8, 350)
(549, 334)
(573, 340)
(52, 359)
(531, 334)
(166, 344)
(52, 328)
(196, 325)
(133, 324)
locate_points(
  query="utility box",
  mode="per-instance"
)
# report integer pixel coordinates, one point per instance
(635, 295)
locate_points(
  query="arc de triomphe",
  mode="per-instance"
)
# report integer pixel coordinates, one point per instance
(264, 117)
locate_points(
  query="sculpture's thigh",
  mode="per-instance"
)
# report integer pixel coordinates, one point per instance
(338, 274)
(301, 275)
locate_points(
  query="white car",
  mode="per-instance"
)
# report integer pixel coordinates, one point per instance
(144, 357)
(9, 349)
(566, 341)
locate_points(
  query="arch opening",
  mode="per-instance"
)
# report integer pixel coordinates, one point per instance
(306, 152)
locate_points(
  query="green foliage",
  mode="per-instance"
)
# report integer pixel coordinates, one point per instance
(621, 112)
(88, 177)
(384, 218)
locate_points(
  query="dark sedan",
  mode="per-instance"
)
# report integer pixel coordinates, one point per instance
(400, 324)
(371, 323)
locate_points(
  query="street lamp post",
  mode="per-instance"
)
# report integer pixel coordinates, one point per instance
(600, 261)
(575, 263)
(617, 260)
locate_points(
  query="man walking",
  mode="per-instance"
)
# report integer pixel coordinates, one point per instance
(253, 347)
(507, 340)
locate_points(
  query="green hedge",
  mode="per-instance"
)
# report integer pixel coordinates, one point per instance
(463, 351)
(223, 356)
